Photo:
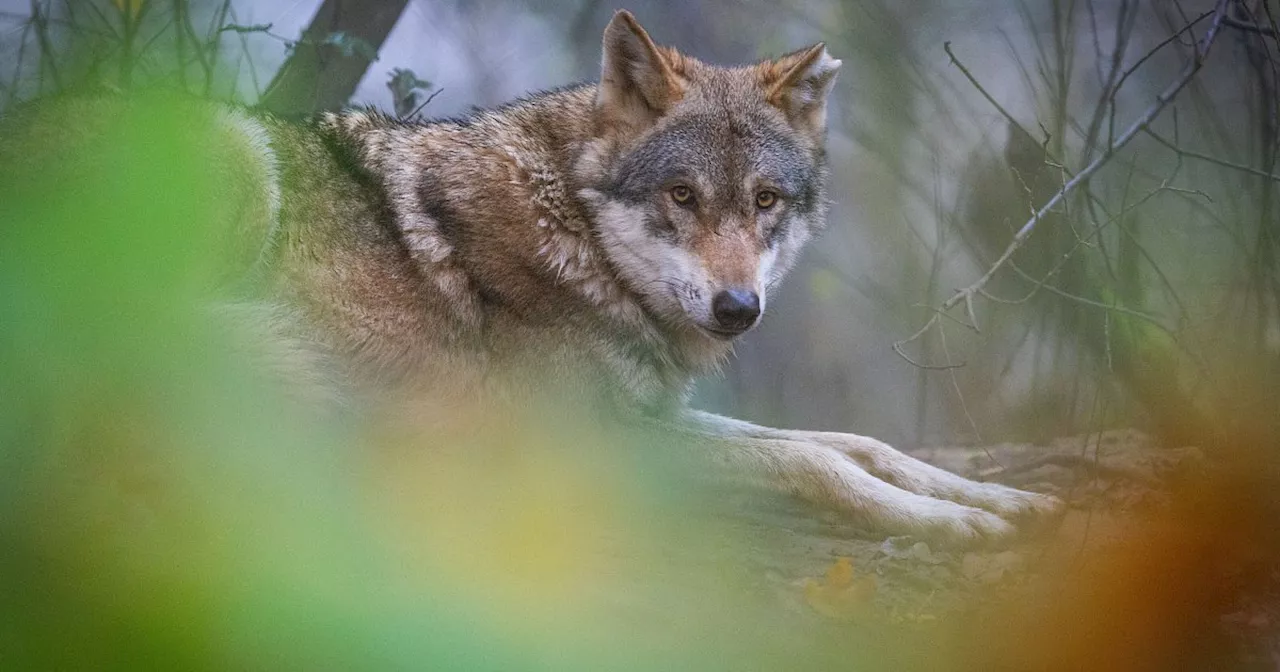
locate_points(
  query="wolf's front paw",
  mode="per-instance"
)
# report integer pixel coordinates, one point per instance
(1011, 503)
(918, 477)
(957, 525)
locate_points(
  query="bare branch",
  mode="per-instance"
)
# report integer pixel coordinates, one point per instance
(965, 295)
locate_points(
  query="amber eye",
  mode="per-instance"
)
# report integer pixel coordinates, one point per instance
(766, 199)
(682, 195)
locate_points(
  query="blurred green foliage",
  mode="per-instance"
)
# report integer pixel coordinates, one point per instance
(164, 506)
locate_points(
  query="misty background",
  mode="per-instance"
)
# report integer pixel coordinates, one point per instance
(1148, 297)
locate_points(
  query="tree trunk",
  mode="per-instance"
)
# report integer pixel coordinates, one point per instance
(332, 56)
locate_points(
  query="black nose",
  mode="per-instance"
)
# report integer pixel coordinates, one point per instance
(736, 309)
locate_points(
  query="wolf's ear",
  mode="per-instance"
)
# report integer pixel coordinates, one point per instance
(798, 84)
(638, 82)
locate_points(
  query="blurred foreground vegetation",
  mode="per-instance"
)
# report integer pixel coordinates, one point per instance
(164, 505)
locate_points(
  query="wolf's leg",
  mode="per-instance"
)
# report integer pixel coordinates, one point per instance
(883, 462)
(825, 476)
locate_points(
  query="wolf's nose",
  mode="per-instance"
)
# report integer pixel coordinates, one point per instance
(736, 309)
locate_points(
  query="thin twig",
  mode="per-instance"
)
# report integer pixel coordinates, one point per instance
(1249, 27)
(1210, 159)
(430, 98)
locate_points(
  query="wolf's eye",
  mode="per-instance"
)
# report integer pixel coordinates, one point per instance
(682, 195)
(766, 199)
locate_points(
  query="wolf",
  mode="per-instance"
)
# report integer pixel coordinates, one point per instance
(610, 239)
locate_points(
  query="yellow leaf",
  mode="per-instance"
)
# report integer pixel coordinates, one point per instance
(841, 594)
(840, 574)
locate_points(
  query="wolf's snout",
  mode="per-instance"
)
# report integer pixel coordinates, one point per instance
(736, 310)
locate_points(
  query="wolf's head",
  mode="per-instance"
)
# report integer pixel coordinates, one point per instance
(705, 181)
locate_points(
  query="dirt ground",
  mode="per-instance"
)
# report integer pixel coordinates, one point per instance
(1128, 579)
